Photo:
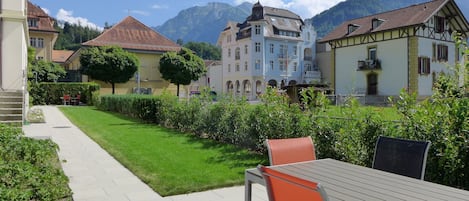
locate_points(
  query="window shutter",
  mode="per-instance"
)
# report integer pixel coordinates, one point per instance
(420, 66)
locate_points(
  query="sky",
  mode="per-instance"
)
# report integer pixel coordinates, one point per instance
(95, 13)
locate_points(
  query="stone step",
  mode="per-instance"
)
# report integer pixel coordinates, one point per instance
(15, 110)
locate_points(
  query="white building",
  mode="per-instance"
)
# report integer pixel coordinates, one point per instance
(14, 39)
(273, 47)
(379, 55)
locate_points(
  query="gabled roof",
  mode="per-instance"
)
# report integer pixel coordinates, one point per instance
(405, 17)
(131, 34)
(44, 21)
(60, 56)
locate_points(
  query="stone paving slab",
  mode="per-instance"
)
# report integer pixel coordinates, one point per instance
(93, 173)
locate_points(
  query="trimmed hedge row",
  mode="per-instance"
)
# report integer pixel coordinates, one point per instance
(50, 93)
(351, 138)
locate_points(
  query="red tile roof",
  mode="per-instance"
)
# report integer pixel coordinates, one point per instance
(44, 23)
(60, 56)
(134, 35)
(404, 17)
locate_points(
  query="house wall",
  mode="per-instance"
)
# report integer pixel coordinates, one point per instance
(425, 81)
(391, 78)
(49, 41)
(14, 45)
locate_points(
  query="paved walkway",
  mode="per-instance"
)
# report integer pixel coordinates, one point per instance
(96, 176)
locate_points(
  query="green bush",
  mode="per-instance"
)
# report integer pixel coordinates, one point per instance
(50, 93)
(29, 168)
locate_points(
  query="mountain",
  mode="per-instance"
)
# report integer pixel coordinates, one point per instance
(327, 20)
(203, 23)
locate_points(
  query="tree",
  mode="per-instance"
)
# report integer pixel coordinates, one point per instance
(110, 64)
(205, 50)
(182, 67)
(43, 71)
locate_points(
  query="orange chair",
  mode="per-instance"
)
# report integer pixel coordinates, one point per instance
(285, 187)
(66, 99)
(291, 150)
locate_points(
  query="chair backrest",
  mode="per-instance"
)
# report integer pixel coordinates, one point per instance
(284, 187)
(66, 97)
(290, 150)
(400, 156)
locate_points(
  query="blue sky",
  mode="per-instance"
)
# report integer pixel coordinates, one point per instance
(155, 12)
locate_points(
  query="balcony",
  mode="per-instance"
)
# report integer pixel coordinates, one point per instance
(365, 65)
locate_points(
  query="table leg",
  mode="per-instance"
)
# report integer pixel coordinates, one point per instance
(247, 189)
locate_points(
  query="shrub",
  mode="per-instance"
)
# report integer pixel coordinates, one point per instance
(50, 93)
(29, 168)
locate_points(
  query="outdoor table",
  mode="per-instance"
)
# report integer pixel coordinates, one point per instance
(345, 181)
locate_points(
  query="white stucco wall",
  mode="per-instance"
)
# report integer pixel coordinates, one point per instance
(425, 81)
(391, 78)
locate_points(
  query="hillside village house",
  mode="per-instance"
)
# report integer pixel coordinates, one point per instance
(407, 48)
(212, 79)
(272, 47)
(14, 39)
(42, 35)
(147, 44)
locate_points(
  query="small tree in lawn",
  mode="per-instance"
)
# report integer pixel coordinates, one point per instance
(182, 67)
(110, 64)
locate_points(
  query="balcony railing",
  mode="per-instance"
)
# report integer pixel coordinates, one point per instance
(369, 65)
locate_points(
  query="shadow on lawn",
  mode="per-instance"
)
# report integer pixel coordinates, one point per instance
(229, 154)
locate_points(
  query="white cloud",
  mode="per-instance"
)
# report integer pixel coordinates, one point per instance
(156, 6)
(140, 12)
(67, 16)
(47, 11)
(304, 8)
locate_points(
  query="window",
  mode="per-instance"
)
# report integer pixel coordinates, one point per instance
(308, 67)
(376, 22)
(258, 64)
(271, 65)
(295, 66)
(424, 66)
(352, 28)
(229, 67)
(237, 53)
(281, 65)
(245, 66)
(40, 42)
(283, 51)
(272, 48)
(32, 22)
(32, 42)
(439, 24)
(257, 29)
(442, 52)
(40, 58)
(228, 38)
(258, 47)
(372, 53)
(295, 50)
(237, 68)
(245, 49)
(229, 52)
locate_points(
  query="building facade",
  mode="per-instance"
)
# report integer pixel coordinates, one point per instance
(147, 44)
(273, 47)
(14, 38)
(379, 55)
(42, 35)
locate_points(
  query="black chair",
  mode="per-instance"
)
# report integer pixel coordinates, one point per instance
(403, 157)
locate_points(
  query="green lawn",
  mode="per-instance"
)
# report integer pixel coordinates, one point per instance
(170, 162)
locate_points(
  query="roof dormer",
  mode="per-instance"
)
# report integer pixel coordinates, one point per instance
(352, 28)
(375, 22)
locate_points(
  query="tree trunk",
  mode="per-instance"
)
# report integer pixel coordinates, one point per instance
(177, 93)
(113, 86)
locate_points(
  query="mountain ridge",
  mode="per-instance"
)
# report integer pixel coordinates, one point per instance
(204, 23)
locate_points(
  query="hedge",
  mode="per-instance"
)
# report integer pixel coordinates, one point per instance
(50, 93)
(351, 138)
